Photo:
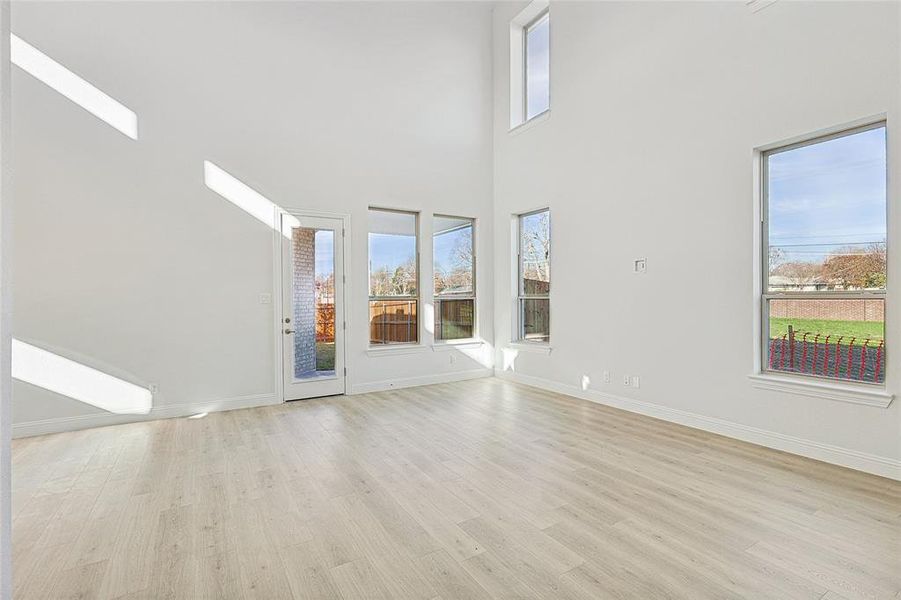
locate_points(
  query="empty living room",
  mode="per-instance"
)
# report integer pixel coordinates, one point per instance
(450, 300)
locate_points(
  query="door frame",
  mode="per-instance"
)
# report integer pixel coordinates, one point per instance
(278, 289)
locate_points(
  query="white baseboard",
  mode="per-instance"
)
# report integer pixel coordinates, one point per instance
(393, 384)
(168, 411)
(861, 461)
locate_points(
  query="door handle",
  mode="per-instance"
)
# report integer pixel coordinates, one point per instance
(289, 331)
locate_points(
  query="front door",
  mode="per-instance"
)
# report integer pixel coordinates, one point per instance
(312, 324)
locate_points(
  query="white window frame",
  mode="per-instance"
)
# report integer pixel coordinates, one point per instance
(415, 298)
(532, 15)
(868, 393)
(520, 292)
(438, 298)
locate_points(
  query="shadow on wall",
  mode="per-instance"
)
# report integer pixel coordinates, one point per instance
(66, 377)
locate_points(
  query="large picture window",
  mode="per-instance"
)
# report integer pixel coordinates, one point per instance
(824, 232)
(393, 277)
(534, 257)
(454, 277)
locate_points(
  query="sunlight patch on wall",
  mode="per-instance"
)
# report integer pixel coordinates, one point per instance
(246, 198)
(428, 313)
(482, 354)
(77, 381)
(45, 69)
(509, 358)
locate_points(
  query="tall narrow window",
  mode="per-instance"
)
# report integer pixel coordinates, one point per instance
(530, 63)
(538, 65)
(824, 231)
(454, 276)
(535, 276)
(393, 277)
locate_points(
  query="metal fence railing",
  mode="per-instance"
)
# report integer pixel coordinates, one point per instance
(834, 356)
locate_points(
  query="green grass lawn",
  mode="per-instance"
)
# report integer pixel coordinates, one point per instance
(325, 356)
(875, 330)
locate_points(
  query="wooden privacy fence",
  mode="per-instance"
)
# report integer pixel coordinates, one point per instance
(393, 322)
(454, 318)
(835, 356)
(325, 322)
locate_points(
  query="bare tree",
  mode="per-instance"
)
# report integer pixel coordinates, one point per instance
(458, 275)
(398, 282)
(800, 273)
(536, 252)
(776, 258)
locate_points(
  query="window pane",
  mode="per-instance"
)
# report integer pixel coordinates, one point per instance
(392, 253)
(325, 300)
(827, 214)
(837, 338)
(454, 319)
(538, 66)
(313, 301)
(453, 256)
(535, 248)
(393, 322)
(535, 315)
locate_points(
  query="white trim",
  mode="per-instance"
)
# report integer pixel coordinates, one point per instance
(457, 344)
(406, 382)
(167, 411)
(533, 122)
(845, 457)
(517, 60)
(536, 347)
(394, 350)
(823, 389)
(823, 132)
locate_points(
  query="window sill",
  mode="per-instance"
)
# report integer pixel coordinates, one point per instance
(395, 350)
(537, 348)
(855, 394)
(534, 121)
(457, 344)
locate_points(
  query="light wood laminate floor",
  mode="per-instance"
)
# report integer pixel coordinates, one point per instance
(478, 489)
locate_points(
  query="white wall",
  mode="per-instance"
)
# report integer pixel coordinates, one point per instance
(127, 262)
(655, 111)
(5, 314)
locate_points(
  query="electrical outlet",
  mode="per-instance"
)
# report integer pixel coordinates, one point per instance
(635, 381)
(626, 380)
(607, 377)
(453, 358)
(154, 389)
(265, 298)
